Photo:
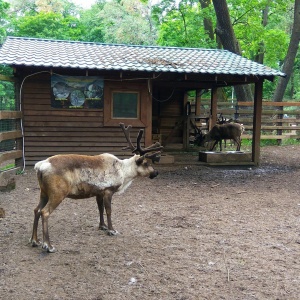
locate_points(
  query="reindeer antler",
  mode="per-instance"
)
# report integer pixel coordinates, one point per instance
(138, 149)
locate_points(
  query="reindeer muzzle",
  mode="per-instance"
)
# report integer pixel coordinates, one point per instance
(153, 174)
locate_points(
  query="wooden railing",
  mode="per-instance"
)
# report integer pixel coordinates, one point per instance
(280, 120)
(11, 145)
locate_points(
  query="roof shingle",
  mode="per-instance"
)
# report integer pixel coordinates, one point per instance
(19, 51)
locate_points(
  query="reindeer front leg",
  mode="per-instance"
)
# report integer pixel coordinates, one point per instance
(100, 203)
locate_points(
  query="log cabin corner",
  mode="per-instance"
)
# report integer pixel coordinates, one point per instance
(73, 95)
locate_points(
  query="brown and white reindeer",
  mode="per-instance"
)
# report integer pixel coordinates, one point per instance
(82, 176)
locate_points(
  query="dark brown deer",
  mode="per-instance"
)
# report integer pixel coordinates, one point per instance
(82, 176)
(227, 131)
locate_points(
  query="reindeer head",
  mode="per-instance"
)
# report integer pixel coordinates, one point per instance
(153, 152)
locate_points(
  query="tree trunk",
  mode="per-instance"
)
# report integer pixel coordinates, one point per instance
(290, 56)
(224, 31)
(207, 22)
(261, 51)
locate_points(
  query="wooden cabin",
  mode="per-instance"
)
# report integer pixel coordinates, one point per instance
(73, 95)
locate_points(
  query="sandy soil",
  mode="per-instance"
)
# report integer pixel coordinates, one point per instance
(194, 232)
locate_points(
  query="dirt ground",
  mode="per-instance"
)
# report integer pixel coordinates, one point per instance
(194, 232)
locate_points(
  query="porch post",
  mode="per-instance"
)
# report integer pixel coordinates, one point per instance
(213, 107)
(257, 121)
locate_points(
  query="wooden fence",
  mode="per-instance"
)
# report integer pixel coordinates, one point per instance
(10, 132)
(280, 120)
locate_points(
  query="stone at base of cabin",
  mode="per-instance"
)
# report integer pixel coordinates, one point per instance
(8, 186)
(228, 157)
(2, 212)
(166, 159)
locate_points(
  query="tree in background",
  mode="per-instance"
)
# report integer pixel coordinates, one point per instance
(127, 21)
(225, 32)
(55, 19)
(289, 61)
(4, 6)
(180, 23)
(261, 27)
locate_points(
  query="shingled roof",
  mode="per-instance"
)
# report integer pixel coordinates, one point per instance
(20, 51)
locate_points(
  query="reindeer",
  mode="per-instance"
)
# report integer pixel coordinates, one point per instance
(223, 120)
(221, 132)
(82, 176)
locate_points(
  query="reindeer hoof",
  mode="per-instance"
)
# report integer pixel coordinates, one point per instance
(46, 247)
(34, 243)
(103, 227)
(112, 232)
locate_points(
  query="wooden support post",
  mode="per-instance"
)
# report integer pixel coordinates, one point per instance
(257, 121)
(185, 124)
(148, 129)
(214, 108)
(198, 103)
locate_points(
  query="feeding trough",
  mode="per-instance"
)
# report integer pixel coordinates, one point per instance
(226, 157)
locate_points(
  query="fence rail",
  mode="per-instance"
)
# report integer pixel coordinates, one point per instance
(280, 120)
(10, 128)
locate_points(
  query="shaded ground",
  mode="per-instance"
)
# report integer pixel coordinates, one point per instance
(194, 232)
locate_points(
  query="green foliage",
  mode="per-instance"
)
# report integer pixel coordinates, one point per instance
(49, 25)
(167, 23)
(181, 24)
(127, 22)
(4, 6)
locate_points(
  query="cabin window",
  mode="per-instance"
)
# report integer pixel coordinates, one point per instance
(125, 105)
(126, 102)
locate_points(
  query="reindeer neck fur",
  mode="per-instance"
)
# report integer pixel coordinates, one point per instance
(130, 172)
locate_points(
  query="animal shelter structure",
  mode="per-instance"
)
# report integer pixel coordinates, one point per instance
(73, 95)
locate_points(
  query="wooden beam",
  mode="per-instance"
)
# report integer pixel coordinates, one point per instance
(198, 103)
(7, 78)
(14, 154)
(7, 114)
(10, 135)
(185, 123)
(213, 107)
(269, 103)
(257, 121)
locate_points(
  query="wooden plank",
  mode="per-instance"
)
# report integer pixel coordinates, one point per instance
(63, 119)
(270, 103)
(65, 113)
(7, 78)
(267, 137)
(89, 135)
(64, 139)
(14, 154)
(8, 114)
(60, 143)
(9, 135)
(275, 127)
(63, 124)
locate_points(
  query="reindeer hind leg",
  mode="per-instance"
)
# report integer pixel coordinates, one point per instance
(54, 201)
(238, 143)
(37, 213)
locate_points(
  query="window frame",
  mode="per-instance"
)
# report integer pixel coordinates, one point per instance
(138, 104)
(144, 103)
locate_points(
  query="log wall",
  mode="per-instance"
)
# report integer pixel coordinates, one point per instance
(49, 131)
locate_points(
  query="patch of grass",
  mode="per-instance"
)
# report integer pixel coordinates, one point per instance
(271, 142)
(7, 167)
